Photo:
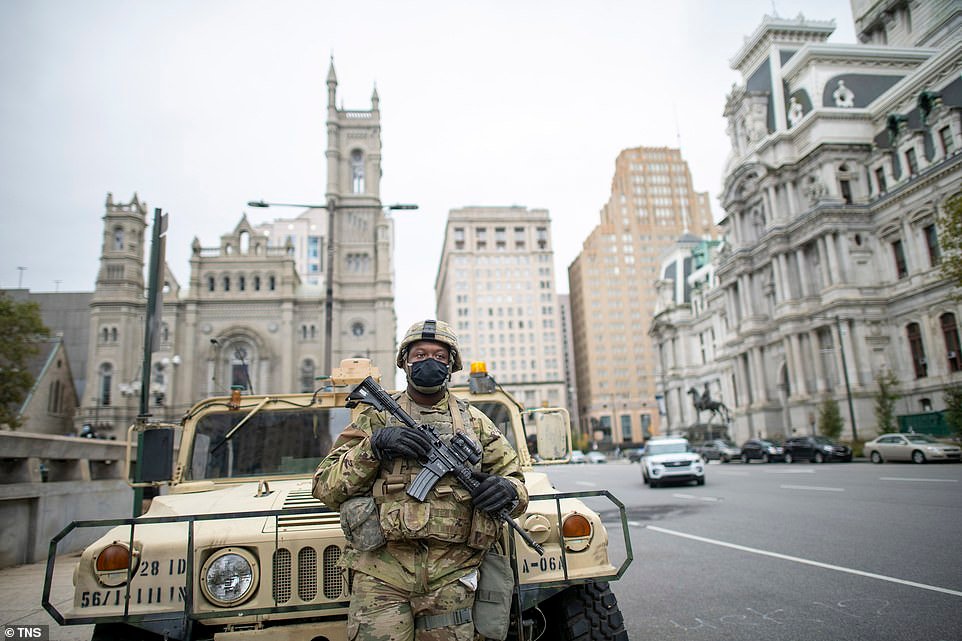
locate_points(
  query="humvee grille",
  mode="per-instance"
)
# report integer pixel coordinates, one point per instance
(306, 578)
(282, 575)
(333, 579)
(307, 574)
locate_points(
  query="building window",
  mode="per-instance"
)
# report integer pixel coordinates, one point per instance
(106, 379)
(880, 179)
(239, 372)
(257, 283)
(271, 283)
(357, 329)
(932, 243)
(241, 283)
(500, 238)
(118, 239)
(481, 238)
(541, 234)
(625, 428)
(210, 283)
(912, 161)
(113, 334)
(357, 171)
(898, 253)
(846, 188)
(945, 137)
(307, 375)
(950, 332)
(226, 283)
(917, 348)
(313, 247)
(459, 237)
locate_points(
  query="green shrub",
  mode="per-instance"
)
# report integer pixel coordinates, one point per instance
(953, 409)
(885, 398)
(830, 422)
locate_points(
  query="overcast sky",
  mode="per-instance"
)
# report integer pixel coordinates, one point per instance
(200, 106)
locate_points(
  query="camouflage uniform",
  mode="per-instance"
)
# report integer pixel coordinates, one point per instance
(428, 565)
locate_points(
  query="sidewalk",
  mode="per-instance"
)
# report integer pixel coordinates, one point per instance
(20, 591)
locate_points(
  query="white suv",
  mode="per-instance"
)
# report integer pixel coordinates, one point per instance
(671, 459)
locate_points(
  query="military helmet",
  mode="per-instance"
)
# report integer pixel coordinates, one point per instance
(431, 330)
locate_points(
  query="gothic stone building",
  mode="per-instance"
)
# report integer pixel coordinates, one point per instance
(843, 157)
(247, 316)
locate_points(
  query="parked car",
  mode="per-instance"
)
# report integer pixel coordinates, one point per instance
(816, 449)
(719, 450)
(671, 459)
(918, 448)
(762, 450)
(633, 455)
(595, 456)
(577, 456)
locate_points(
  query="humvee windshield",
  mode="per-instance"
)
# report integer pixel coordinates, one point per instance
(270, 443)
(500, 415)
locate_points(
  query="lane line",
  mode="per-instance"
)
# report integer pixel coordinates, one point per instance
(801, 471)
(818, 564)
(695, 497)
(586, 483)
(901, 478)
(812, 487)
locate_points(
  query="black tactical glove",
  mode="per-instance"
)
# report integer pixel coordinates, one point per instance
(494, 493)
(404, 442)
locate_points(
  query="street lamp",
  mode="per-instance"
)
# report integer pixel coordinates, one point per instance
(848, 386)
(332, 207)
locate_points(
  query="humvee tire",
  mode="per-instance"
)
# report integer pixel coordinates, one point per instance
(587, 612)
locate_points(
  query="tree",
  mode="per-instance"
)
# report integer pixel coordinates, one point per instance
(885, 399)
(953, 409)
(20, 326)
(950, 241)
(830, 419)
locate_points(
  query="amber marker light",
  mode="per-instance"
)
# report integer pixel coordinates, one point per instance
(576, 530)
(479, 367)
(112, 565)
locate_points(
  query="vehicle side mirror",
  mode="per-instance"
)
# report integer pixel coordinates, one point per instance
(553, 433)
(155, 451)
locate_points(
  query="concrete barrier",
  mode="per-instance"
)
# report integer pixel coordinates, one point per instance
(47, 481)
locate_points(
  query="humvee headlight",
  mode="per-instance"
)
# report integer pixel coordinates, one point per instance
(113, 564)
(576, 530)
(229, 576)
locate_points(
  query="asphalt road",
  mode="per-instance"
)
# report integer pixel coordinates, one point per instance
(782, 552)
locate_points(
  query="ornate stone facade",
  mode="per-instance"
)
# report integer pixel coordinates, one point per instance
(248, 317)
(831, 263)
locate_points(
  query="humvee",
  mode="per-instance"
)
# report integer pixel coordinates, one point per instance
(237, 548)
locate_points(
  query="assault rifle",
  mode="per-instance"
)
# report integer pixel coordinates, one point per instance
(455, 457)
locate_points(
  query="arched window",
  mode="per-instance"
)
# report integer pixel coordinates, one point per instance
(357, 171)
(271, 283)
(307, 375)
(113, 334)
(210, 283)
(226, 283)
(104, 335)
(240, 368)
(118, 239)
(244, 242)
(257, 283)
(917, 348)
(950, 332)
(313, 331)
(303, 332)
(106, 380)
(241, 283)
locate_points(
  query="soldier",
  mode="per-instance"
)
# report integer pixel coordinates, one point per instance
(416, 564)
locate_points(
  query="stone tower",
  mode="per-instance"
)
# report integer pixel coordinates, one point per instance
(117, 318)
(364, 320)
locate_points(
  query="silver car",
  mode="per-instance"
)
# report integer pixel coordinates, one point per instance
(918, 448)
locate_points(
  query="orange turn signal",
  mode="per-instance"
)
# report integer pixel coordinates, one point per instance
(113, 557)
(576, 526)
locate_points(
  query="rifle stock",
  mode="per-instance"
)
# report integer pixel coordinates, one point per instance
(456, 457)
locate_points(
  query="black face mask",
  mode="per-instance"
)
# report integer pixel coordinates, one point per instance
(428, 376)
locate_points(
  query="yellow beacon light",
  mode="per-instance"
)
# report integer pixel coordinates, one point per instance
(479, 367)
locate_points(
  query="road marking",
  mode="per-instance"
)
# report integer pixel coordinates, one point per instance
(801, 471)
(635, 524)
(818, 564)
(695, 497)
(812, 487)
(586, 483)
(900, 478)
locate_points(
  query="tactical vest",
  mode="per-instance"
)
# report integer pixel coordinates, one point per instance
(447, 514)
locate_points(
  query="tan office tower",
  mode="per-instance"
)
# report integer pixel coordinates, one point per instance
(496, 287)
(612, 291)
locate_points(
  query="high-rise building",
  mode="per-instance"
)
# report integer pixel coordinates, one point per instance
(652, 203)
(496, 287)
